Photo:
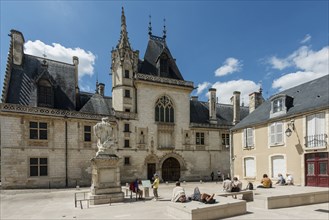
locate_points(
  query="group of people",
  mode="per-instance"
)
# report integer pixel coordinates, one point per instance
(235, 185)
(267, 182)
(179, 195)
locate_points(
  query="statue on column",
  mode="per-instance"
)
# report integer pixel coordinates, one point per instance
(104, 131)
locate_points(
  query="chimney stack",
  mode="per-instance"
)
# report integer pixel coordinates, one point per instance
(255, 100)
(212, 106)
(236, 107)
(101, 87)
(18, 41)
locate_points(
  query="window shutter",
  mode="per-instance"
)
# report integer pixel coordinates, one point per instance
(272, 134)
(279, 133)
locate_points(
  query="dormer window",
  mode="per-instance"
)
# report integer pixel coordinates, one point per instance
(45, 94)
(164, 64)
(280, 104)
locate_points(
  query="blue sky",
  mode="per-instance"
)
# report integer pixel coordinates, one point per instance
(228, 45)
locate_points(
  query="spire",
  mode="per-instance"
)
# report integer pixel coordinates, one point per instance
(124, 40)
(164, 29)
(150, 26)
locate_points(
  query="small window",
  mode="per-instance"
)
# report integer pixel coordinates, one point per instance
(277, 105)
(248, 137)
(199, 138)
(126, 143)
(127, 160)
(38, 130)
(127, 109)
(276, 133)
(127, 93)
(87, 133)
(45, 94)
(225, 139)
(127, 74)
(38, 167)
(126, 129)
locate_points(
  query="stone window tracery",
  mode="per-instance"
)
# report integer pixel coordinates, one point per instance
(164, 110)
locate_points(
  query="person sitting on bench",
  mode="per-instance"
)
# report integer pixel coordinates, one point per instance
(178, 194)
(266, 182)
(202, 197)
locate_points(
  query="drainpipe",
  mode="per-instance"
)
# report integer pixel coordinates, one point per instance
(231, 154)
(66, 178)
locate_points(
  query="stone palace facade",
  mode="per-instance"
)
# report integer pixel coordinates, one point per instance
(46, 122)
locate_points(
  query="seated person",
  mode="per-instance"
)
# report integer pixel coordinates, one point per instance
(138, 191)
(281, 181)
(266, 182)
(178, 194)
(236, 185)
(290, 179)
(227, 185)
(202, 197)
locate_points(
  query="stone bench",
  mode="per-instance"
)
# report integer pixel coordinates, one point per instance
(194, 210)
(247, 195)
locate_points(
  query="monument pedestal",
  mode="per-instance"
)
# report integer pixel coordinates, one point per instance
(105, 187)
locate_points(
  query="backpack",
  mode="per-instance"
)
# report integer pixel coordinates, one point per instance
(132, 186)
(250, 186)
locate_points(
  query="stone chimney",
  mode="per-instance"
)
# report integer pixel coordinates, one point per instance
(236, 107)
(100, 88)
(194, 98)
(212, 106)
(18, 46)
(76, 78)
(255, 100)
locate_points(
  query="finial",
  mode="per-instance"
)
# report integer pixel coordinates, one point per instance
(150, 26)
(96, 90)
(164, 29)
(123, 18)
(260, 87)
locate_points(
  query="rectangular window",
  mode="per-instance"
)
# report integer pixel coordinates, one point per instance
(127, 110)
(316, 136)
(38, 167)
(44, 96)
(276, 133)
(38, 130)
(126, 143)
(127, 74)
(87, 133)
(225, 139)
(126, 129)
(127, 93)
(199, 138)
(248, 137)
(249, 167)
(127, 160)
(277, 105)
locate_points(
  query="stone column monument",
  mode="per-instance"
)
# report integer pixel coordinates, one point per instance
(105, 186)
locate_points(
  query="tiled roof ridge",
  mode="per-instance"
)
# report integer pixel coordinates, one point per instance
(55, 61)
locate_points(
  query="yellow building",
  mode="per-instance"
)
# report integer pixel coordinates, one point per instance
(286, 134)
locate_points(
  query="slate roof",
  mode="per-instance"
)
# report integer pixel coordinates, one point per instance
(22, 86)
(157, 46)
(96, 104)
(199, 113)
(312, 95)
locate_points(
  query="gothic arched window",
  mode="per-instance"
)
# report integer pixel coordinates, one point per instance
(164, 110)
(45, 94)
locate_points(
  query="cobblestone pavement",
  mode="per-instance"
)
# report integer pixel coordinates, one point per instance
(59, 204)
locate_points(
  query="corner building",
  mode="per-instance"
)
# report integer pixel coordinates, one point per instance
(46, 121)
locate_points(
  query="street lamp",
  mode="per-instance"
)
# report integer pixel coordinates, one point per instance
(288, 132)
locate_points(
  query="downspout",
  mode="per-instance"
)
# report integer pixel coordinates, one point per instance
(231, 154)
(66, 172)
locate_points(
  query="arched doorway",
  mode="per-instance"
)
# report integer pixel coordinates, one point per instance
(171, 169)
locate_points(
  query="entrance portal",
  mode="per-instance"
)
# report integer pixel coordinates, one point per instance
(317, 169)
(171, 170)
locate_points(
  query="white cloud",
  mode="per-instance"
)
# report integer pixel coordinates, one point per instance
(293, 79)
(225, 90)
(230, 65)
(309, 65)
(278, 63)
(202, 87)
(306, 39)
(63, 54)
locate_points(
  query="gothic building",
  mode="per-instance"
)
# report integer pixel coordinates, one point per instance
(46, 121)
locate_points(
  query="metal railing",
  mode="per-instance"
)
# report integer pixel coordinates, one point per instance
(318, 140)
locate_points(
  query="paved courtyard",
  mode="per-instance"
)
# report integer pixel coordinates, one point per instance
(59, 204)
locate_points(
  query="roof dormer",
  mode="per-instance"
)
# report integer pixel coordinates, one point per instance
(280, 104)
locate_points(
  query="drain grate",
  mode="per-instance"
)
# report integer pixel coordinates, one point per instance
(322, 210)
